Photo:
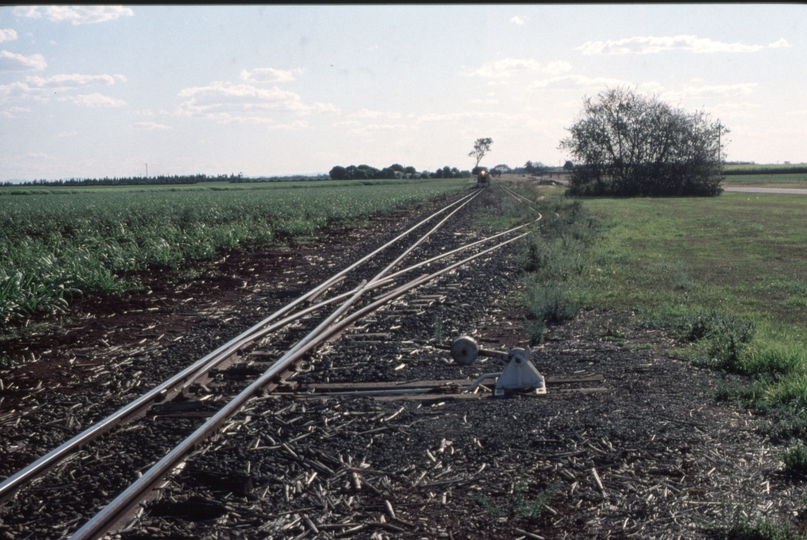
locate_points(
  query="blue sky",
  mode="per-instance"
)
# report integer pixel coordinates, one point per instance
(93, 91)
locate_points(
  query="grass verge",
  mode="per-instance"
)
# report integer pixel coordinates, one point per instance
(726, 274)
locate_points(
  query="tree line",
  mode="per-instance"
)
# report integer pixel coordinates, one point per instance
(130, 180)
(366, 172)
(163, 180)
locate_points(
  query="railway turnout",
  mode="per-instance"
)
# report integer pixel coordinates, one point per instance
(188, 391)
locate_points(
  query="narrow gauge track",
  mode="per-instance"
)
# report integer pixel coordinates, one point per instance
(272, 327)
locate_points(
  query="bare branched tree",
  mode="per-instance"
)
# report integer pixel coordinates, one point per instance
(481, 147)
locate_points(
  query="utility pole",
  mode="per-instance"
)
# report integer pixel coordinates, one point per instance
(147, 170)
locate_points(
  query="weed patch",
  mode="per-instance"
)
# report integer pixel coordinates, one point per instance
(795, 457)
(724, 336)
(520, 504)
(764, 529)
(554, 257)
(550, 302)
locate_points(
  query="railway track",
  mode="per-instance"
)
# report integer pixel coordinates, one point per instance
(264, 357)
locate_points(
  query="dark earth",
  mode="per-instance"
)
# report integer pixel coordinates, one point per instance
(642, 451)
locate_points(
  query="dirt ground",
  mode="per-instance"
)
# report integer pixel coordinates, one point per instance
(642, 449)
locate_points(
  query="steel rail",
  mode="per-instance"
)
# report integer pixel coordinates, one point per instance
(14, 482)
(378, 277)
(517, 197)
(320, 305)
(116, 510)
(525, 200)
(462, 248)
(377, 281)
(422, 239)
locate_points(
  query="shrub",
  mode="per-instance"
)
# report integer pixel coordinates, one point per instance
(725, 337)
(549, 303)
(795, 457)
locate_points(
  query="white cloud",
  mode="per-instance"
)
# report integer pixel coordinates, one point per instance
(13, 112)
(268, 75)
(467, 115)
(509, 66)
(655, 44)
(67, 134)
(150, 125)
(782, 43)
(43, 88)
(487, 101)
(297, 124)
(27, 11)
(74, 14)
(367, 113)
(690, 91)
(743, 109)
(346, 123)
(7, 34)
(371, 128)
(94, 100)
(227, 102)
(10, 61)
(64, 81)
(14, 92)
(517, 20)
(744, 106)
(569, 81)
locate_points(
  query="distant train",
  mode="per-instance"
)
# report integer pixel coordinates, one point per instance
(482, 176)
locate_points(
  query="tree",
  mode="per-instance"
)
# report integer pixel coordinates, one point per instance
(568, 166)
(338, 173)
(535, 167)
(481, 147)
(628, 144)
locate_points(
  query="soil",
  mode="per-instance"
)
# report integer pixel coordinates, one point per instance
(642, 451)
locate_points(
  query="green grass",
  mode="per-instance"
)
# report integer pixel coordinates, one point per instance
(728, 274)
(676, 256)
(763, 529)
(764, 167)
(520, 504)
(207, 186)
(75, 241)
(556, 254)
(738, 264)
(797, 180)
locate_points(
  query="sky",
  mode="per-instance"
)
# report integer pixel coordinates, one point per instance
(95, 91)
